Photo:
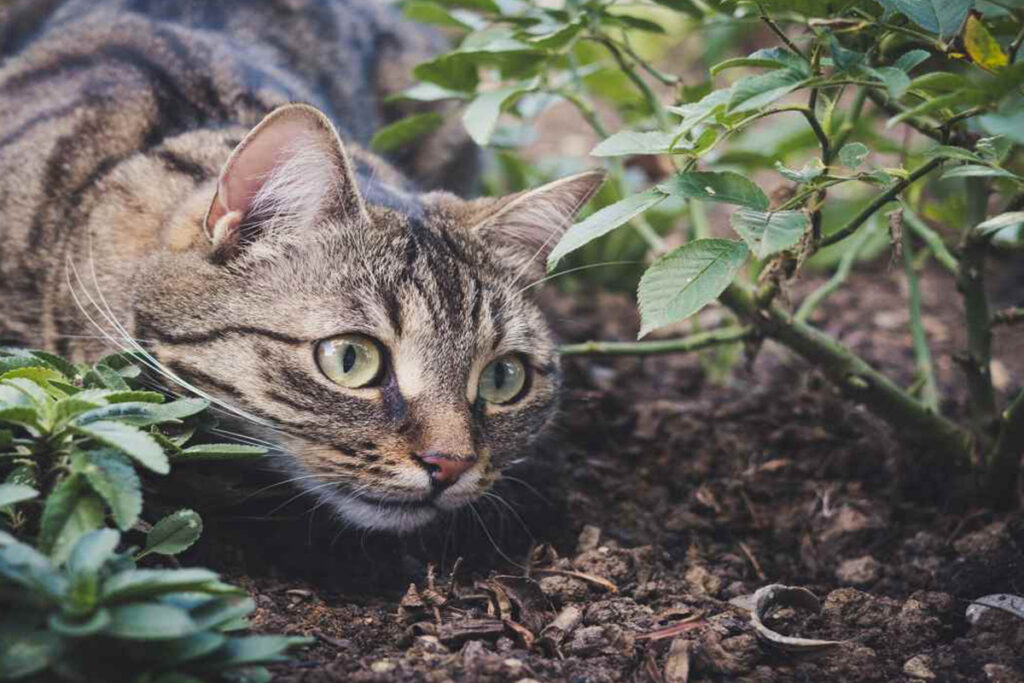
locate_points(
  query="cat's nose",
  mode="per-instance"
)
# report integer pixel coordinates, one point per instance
(444, 469)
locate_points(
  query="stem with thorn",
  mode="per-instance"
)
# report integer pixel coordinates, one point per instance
(693, 342)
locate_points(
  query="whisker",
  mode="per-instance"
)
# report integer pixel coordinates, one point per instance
(490, 538)
(560, 273)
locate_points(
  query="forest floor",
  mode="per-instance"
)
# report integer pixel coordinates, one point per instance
(622, 547)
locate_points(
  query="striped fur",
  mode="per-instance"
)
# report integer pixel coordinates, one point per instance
(117, 118)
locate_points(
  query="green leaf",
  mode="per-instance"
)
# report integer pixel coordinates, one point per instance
(40, 375)
(149, 621)
(57, 363)
(189, 648)
(143, 414)
(602, 222)
(425, 92)
(26, 652)
(558, 38)
(769, 233)
(20, 416)
(16, 493)
(716, 186)
(896, 81)
(684, 6)
(130, 440)
(432, 13)
(175, 533)
(105, 377)
(25, 566)
(949, 152)
(853, 154)
(71, 511)
(1000, 222)
(845, 60)
(92, 551)
(72, 627)
(944, 17)
(249, 650)
(754, 92)
(128, 396)
(481, 116)
(1008, 121)
(216, 614)
(144, 583)
(979, 171)
(683, 281)
(771, 58)
(35, 394)
(111, 475)
(909, 60)
(405, 131)
(627, 142)
(635, 23)
(811, 170)
(219, 451)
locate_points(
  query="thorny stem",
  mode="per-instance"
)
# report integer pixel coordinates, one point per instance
(693, 342)
(923, 354)
(971, 282)
(893, 110)
(854, 377)
(770, 23)
(1008, 316)
(931, 238)
(880, 201)
(1004, 460)
(851, 122)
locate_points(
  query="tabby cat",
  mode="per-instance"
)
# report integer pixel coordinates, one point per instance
(161, 188)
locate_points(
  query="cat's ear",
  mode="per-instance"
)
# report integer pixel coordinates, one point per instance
(526, 226)
(288, 170)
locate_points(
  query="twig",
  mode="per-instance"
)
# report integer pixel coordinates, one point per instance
(770, 23)
(693, 342)
(649, 96)
(853, 376)
(1008, 316)
(849, 257)
(893, 109)
(934, 241)
(923, 354)
(880, 201)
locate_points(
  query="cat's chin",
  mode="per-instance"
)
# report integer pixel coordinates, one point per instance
(383, 516)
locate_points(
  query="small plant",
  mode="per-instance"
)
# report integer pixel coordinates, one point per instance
(841, 80)
(73, 604)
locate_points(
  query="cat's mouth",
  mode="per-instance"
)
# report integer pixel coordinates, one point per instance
(395, 514)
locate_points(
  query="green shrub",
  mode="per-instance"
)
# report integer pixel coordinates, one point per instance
(73, 603)
(842, 84)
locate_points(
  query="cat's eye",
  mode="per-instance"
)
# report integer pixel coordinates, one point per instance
(351, 360)
(503, 380)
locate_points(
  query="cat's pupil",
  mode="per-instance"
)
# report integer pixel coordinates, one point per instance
(348, 359)
(500, 375)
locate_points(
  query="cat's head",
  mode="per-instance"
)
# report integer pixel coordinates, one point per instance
(387, 342)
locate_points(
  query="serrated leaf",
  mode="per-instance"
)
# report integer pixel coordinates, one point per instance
(11, 494)
(481, 116)
(979, 171)
(175, 533)
(71, 511)
(219, 451)
(103, 376)
(949, 152)
(811, 170)
(602, 222)
(944, 17)
(1000, 222)
(405, 131)
(853, 154)
(111, 475)
(983, 49)
(629, 142)
(716, 186)
(143, 414)
(144, 583)
(770, 58)
(769, 233)
(686, 279)
(19, 415)
(754, 92)
(130, 440)
(149, 621)
(31, 390)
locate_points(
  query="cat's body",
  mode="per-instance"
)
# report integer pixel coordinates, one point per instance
(137, 202)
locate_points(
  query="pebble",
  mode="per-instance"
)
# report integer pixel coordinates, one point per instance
(859, 571)
(919, 667)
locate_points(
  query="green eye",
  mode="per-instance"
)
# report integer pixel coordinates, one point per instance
(351, 360)
(502, 381)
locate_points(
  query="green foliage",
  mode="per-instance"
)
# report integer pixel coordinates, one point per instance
(73, 603)
(829, 104)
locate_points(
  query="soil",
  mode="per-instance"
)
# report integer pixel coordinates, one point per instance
(628, 547)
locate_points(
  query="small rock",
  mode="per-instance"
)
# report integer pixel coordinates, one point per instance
(701, 581)
(999, 673)
(859, 571)
(612, 564)
(564, 589)
(919, 667)
(589, 538)
(984, 541)
(383, 666)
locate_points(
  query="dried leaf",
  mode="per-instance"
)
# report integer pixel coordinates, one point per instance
(677, 663)
(1014, 604)
(598, 581)
(520, 633)
(775, 595)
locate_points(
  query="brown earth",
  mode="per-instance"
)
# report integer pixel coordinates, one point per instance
(614, 553)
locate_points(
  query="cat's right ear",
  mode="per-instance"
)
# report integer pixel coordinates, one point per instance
(288, 173)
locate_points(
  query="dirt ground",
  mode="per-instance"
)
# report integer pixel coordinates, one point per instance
(618, 552)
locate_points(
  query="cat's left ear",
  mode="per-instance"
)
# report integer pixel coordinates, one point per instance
(287, 171)
(526, 226)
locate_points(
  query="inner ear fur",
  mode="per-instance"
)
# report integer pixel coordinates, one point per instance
(287, 171)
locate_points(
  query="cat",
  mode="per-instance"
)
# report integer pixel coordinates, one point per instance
(190, 179)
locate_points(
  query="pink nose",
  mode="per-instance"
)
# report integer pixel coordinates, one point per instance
(444, 469)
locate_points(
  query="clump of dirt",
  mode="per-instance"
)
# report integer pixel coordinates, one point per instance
(627, 550)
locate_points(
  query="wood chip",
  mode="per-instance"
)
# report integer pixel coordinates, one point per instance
(677, 663)
(598, 581)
